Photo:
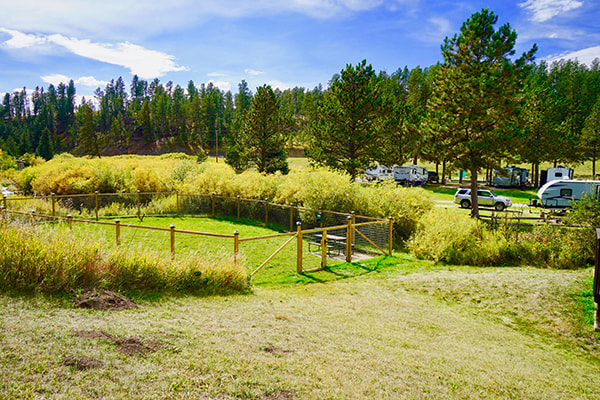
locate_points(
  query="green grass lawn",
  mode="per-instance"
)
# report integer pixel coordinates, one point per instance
(282, 268)
(393, 328)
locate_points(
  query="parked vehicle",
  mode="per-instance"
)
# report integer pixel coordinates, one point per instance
(563, 192)
(552, 174)
(410, 175)
(511, 176)
(4, 192)
(485, 198)
(380, 172)
(433, 177)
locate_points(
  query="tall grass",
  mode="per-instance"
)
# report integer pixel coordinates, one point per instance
(318, 189)
(49, 260)
(445, 235)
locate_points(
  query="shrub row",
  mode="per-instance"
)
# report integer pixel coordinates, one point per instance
(50, 261)
(444, 235)
(311, 188)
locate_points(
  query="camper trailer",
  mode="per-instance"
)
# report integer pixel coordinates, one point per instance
(410, 175)
(511, 177)
(563, 192)
(552, 174)
(380, 172)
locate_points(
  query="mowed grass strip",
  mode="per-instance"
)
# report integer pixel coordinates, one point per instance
(405, 330)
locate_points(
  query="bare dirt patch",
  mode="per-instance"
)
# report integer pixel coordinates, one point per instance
(127, 345)
(103, 300)
(275, 350)
(135, 345)
(81, 363)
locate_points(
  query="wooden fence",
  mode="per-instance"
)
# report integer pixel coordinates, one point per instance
(352, 230)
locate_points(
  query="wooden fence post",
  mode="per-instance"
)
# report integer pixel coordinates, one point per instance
(266, 212)
(32, 213)
(596, 287)
(390, 234)
(118, 231)
(4, 201)
(53, 204)
(139, 211)
(172, 242)
(177, 201)
(324, 249)
(238, 207)
(96, 200)
(2, 213)
(236, 246)
(299, 248)
(353, 215)
(212, 201)
(291, 217)
(349, 240)
(70, 222)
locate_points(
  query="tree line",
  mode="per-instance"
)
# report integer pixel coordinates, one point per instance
(477, 110)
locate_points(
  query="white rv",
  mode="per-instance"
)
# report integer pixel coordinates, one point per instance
(552, 174)
(380, 172)
(410, 175)
(563, 192)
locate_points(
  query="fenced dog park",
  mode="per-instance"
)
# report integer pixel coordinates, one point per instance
(257, 233)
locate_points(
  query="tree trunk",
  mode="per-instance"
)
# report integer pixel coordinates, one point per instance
(474, 202)
(444, 172)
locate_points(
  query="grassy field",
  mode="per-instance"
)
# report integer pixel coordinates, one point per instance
(390, 328)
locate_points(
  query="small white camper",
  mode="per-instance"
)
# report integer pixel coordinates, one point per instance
(380, 172)
(410, 175)
(552, 174)
(563, 192)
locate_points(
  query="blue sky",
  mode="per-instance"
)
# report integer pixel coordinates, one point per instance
(283, 43)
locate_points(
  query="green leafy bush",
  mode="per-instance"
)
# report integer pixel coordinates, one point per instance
(445, 235)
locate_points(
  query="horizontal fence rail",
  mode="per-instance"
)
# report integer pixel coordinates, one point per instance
(322, 233)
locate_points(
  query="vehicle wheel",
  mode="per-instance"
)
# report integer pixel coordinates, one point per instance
(465, 204)
(499, 206)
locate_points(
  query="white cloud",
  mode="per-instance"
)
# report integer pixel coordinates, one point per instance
(56, 79)
(147, 64)
(88, 81)
(124, 18)
(543, 10)
(585, 56)
(253, 72)
(224, 86)
(21, 40)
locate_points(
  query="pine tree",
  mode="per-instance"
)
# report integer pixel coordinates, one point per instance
(477, 95)
(45, 148)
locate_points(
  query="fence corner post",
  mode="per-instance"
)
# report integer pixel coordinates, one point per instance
(236, 246)
(118, 231)
(390, 234)
(299, 248)
(349, 239)
(172, 241)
